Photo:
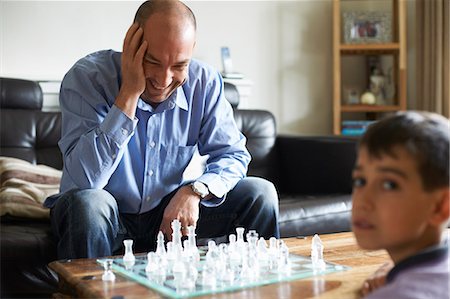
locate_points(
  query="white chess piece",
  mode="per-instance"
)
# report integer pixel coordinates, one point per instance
(192, 245)
(160, 249)
(152, 262)
(129, 258)
(108, 275)
(177, 245)
(284, 264)
(317, 253)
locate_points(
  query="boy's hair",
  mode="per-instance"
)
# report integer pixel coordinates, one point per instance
(424, 135)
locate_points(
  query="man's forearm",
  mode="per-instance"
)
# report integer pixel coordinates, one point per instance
(93, 158)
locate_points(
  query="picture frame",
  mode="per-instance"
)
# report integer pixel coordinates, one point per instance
(367, 27)
(351, 95)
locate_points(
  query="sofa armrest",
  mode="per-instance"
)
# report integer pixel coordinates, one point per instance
(315, 164)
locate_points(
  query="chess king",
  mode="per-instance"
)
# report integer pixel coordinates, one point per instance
(131, 123)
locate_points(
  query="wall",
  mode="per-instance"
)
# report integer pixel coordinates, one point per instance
(283, 47)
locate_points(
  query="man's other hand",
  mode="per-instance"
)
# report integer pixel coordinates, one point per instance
(183, 206)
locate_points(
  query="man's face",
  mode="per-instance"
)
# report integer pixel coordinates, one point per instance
(391, 209)
(166, 62)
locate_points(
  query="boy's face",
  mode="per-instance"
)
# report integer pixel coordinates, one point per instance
(390, 207)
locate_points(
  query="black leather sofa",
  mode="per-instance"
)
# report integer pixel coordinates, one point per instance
(312, 176)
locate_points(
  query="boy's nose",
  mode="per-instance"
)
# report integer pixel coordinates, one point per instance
(363, 200)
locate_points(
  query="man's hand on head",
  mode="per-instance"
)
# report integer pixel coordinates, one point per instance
(133, 77)
(183, 206)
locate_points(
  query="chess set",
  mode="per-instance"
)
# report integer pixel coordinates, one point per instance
(185, 270)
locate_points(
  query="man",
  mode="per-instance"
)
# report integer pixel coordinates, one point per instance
(131, 124)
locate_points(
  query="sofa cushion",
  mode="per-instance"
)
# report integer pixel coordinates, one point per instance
(26, 247)
(25, 186)
(314, 214)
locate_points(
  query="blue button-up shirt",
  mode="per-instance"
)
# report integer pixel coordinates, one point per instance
(141, 160)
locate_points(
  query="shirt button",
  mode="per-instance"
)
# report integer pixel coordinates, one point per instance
(171, 105)
(124, 131)
(148, 198)
(150, 172)
(114, 156)
(152, 144)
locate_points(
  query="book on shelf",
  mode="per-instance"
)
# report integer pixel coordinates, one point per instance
(355, 127)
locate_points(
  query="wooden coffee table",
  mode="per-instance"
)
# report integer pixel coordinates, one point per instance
(83, 277)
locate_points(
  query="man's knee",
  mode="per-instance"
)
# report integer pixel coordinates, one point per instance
(259, 189)
(88, 205)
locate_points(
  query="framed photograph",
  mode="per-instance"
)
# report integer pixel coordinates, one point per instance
(351, 95)
(367, 27)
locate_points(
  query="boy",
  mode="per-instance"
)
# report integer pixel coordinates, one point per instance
(401, 202)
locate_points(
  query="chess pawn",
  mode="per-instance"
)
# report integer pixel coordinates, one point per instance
(284, 264)
(208, 280)
(155, 269)
(262, 253)
(228, 276)
(192, 274)
(108, 275)
(240, 237)
(317, 253)
(192, 245)
(179, 272)
(232, 242)
(170, 256)
(273, 253)
(212, 254)
(221, 263)
(152, 262)
(252, 238)
(234, 255)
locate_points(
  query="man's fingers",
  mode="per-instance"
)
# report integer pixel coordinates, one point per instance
(141, 51)
(130, 33)
(136, 41)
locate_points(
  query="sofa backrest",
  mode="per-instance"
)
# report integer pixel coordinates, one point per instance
(31, 134)
(27, 132)
(259, 127)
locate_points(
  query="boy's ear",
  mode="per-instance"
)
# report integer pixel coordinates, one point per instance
(441, 213)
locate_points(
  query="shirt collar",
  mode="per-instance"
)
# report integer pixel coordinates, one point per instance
(432, 253)
(177, 98)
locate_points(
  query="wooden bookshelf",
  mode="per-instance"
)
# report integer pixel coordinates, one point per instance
(396, 48)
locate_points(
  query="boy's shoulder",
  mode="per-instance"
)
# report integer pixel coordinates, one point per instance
(421, 278)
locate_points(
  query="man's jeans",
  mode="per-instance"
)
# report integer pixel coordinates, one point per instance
(87, 223)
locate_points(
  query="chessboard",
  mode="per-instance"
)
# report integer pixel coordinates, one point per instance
(300, 267)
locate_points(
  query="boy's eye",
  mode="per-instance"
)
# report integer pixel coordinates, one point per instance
(358, 182)
(390, 185)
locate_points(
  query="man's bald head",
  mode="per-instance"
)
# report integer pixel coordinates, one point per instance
(166, 7)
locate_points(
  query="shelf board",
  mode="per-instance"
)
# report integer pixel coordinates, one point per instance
(369, 48)
(370, 108)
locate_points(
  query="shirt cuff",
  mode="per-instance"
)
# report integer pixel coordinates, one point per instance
(216, 187)
(215, 184)
(118, 125)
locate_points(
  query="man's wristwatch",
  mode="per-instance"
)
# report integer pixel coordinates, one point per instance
(200, 189)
